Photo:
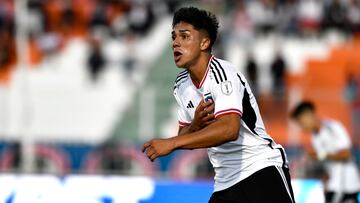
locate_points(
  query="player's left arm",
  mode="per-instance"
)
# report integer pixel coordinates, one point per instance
(227, 97)
(224, 129)
(343, 152)
(342, 155)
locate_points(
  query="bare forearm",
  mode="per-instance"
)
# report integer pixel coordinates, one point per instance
(340, 156)
(213, 135)
(186, 130)
(222, 130)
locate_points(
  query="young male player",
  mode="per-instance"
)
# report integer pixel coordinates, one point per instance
(249, 166)
(331, 144)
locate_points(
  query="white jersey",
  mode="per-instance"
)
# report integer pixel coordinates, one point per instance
(343, 175)
(254, 149)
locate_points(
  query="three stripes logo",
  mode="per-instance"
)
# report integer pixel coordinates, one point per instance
(218, 71)
(190, 105)
(181, 77)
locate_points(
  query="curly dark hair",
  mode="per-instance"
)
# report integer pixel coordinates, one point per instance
(301, 108)
(200, 19)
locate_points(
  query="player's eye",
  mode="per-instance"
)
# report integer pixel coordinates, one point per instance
(184, 36)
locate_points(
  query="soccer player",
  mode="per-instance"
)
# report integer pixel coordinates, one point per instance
(331, 144)
(249, 166)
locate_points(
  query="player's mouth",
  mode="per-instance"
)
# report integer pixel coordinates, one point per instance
(177, 55)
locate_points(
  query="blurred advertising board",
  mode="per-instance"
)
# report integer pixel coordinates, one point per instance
(120, 189)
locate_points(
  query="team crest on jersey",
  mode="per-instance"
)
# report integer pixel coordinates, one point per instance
(226, 87)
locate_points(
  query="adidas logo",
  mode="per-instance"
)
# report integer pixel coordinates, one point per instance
(190, 105)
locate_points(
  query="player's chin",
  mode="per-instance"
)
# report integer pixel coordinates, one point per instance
(179, 63)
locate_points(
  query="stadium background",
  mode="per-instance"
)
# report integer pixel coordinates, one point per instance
(83, 83)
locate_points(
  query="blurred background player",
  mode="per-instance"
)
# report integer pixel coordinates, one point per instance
(330, 144)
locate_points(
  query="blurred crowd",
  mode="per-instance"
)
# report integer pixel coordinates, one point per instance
(50, 22)
(352, 95)
(298, 17)
(7, 45)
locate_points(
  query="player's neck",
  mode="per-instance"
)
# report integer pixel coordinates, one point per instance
(317, 126)
(198, 69)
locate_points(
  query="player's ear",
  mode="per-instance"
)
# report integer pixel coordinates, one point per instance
(205, 43)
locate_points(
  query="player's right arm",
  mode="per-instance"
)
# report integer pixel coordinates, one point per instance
(224, 129)
(342, 155)
(341, 150)
(202, 118)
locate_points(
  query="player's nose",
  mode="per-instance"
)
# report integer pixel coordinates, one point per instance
(175, 43)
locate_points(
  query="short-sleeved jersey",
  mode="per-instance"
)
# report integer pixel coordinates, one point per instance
(254, 149)
(330, 139)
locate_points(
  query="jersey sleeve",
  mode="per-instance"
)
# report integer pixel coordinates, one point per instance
(316, 145)
(228, 96)
(183, 117)
(342, 137)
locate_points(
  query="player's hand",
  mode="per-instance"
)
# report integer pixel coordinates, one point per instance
(204, 115)
(158, 147)
(312, 154)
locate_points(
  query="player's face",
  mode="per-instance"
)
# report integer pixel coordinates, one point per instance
(186, 44)
(307, 121)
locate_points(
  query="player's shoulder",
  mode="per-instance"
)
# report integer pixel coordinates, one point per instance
(227, 64)
(333, 125)
(328, 122)
(181, 78)
(222, 70)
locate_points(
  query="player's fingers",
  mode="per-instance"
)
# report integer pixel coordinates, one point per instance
(204, 104)
(209, 122)
(200, 105)
(146, 145)
(208, 103)
(150, 152)
(208, 117)
(204, 108)
(153, 157)
(203, 113)
(211, 108)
